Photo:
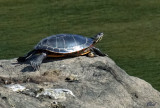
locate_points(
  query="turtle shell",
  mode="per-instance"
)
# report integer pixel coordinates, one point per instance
(64, 43)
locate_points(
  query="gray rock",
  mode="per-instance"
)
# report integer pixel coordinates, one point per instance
(96, 83)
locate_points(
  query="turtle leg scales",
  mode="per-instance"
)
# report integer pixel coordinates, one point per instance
(37, 60)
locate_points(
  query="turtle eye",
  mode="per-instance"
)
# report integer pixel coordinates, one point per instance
(101, 34)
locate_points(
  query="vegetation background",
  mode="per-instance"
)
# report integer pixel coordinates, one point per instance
(131, 29)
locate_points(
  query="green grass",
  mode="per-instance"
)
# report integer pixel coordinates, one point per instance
(131, 28)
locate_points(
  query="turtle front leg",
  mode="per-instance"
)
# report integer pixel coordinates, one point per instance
(36, 61)
(96, 51)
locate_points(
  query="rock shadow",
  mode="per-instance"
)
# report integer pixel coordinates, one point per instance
(27, 69)
(48, 59)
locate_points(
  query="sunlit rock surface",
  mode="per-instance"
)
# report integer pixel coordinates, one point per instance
(78, 82)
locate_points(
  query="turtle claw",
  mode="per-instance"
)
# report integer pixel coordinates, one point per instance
(35, 65)
(104, 55)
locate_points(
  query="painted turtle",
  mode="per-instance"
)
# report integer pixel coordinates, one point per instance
(62, 45)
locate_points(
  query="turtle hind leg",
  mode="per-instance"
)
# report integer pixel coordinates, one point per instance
(96, 51)
(21, 59)
(37, 60)
(24, 58)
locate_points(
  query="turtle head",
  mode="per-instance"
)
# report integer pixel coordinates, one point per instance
(98, 37)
